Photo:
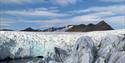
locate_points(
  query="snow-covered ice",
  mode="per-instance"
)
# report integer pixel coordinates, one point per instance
(22, 44)
(65, 47)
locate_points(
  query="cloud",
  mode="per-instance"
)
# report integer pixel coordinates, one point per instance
(55, 2)
(33, 13)
(64, 2)
(95, 14)
(93, 18)
(114, 9)
(117, 21)
(115, 1)
(20, 1)
(30, 15)
(5, 22)
(112, 14)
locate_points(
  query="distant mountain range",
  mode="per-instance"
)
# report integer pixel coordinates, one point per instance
(72, 28)
(90, 27)
(6, 30)
(31, 29)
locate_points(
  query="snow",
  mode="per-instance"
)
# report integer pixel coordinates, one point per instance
(65, 47)
(65, 29)
(22, 44)
(110, 50)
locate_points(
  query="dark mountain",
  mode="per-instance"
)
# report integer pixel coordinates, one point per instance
(53, 29)
(31, 29)
(103, 26)
(72, 28)
(90, 27)
(6, 30)
(77, 28)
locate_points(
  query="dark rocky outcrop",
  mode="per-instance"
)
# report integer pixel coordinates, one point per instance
(103, 26)
(6, 30)
(31, 29)
(53, 29)
(72, 28)
(90, 27)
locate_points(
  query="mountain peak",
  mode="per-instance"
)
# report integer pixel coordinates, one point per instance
(102, 22)
(29, 29)
(102, 25)
(91, 24)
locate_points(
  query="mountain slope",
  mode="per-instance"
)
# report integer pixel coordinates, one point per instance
(31, 29)
(103, 26)
(90, 27)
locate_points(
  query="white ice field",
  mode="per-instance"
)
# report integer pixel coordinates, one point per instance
(65, 47)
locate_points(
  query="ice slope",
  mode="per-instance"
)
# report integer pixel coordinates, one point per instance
(89, 47)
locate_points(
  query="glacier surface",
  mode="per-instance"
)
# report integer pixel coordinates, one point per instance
(64, 47)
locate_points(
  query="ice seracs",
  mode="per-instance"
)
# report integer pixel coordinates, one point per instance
(60, 47)
(83, 51)
(23, 44)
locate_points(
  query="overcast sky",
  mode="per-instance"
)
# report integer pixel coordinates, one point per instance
(39, 14)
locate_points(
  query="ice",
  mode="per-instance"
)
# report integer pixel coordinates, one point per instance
(21, 44)
(65, 47)
(83, 51)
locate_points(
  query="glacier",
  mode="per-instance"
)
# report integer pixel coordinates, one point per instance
(64, 47)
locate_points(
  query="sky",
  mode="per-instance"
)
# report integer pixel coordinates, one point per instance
(41, 14)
